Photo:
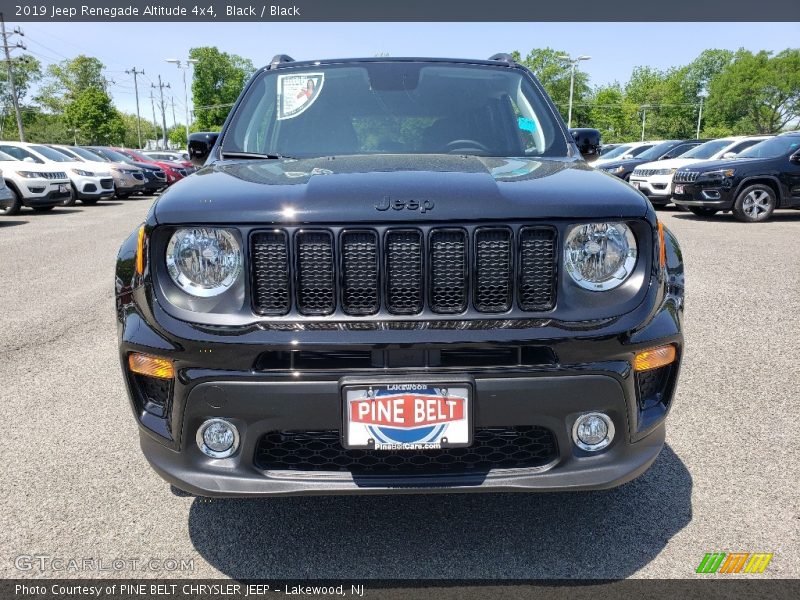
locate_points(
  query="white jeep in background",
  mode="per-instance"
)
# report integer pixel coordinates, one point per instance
(39, 186)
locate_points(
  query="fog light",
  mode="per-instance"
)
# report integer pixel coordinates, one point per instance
(218, 438)
(592, 431)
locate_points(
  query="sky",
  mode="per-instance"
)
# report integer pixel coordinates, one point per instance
(615, 48)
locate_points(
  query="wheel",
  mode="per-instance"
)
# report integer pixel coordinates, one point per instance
(42, 208)
(702, 211)
(12, 205)
(754, 203)
(90, 202)
(73, 195)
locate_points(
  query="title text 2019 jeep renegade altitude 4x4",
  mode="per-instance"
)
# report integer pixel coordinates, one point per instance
(398, 275)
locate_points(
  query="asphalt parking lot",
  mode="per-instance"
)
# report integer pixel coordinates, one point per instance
(77, 486)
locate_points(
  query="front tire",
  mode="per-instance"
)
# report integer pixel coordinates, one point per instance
(12, 205)
(73, 195)
(702, 211)
(755, 203)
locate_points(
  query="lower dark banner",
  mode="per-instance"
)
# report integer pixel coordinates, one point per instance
(713, 588)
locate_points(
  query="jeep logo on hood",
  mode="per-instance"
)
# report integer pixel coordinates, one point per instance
(422, 206)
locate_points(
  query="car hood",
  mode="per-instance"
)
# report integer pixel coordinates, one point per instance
(613, 164)
(12, 166)
(726, 163)
(671, 163)
(398, 188)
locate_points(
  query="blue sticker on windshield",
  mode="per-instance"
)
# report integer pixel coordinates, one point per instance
(526, 124)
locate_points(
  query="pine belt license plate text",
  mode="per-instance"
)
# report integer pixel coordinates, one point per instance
(407, 416)
(678, 189)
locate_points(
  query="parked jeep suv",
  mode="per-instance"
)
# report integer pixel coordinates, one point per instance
(752, 185)
(393, 276)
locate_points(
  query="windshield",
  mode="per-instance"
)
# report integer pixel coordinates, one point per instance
(615, 152)
(772, 148)
(708, 149)
(87, 154)
(394, 108)
(20, 153)
(658, 150)
(51, 154)
(7, 157)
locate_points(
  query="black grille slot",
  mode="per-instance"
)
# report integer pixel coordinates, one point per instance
(153, 393)
(686, 176)
(493, 448)
(360, 273)
(493, 270)
(537, 268)
(315, 273)
(448, 271)
(404, 287)
(270, 258)
(652, 385)
(480, 357)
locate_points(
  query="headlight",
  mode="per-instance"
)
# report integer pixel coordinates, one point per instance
(718, 174)
(600, 256)
(83, 173)
(615, 170)
(204, 261)
(29, 174)
(664, 171)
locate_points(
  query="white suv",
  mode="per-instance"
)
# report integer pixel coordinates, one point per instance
(31, 184)
(90, 181)
(654, 179)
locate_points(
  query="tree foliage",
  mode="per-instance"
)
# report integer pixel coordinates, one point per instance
(218, 80)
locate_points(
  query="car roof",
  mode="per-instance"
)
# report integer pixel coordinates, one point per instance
(288, 63)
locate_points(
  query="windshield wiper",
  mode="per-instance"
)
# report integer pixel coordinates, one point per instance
(255, 155)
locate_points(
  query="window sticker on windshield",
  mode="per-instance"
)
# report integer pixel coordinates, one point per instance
(297, 92)
(526, 124)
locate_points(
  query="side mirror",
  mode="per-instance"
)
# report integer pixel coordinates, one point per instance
(795, 158)
(729, 155)
(588, 142)
(200, 145)
(28, 159)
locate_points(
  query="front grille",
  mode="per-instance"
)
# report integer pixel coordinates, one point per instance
(403, 271)
(138, 175)
(107, 183)
(160, 175)
(517, 447)
(643, 172)
(56, 175)
(685, 176)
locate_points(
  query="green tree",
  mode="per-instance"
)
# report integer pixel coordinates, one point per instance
(756, 93)
(92, 113)
(218, 80)
(68, 79)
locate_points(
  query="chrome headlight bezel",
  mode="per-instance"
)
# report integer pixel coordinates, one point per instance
(574, 256)
(196, 288)
(83, 173)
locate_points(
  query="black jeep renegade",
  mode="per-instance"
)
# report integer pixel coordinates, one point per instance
(398, 275)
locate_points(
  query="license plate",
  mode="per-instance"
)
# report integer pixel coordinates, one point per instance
(63, 188)
(407, 416)
(678, 189)
(635, 184)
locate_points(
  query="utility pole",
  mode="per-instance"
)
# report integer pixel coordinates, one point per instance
(134, 72)
(155, 123)
(174, 122)
(184, 66)
(703, 95)
(161, 87)
(7, 49)
(644, 117)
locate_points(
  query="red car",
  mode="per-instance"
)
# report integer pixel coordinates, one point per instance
(174, 171)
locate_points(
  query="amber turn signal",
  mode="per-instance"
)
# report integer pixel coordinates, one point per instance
(152, 366)
(140, 252)
(662, 248)
(652, 359)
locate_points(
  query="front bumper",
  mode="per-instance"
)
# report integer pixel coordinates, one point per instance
(658, 188)
(219, 374)
(718, 195)
(44, 192)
